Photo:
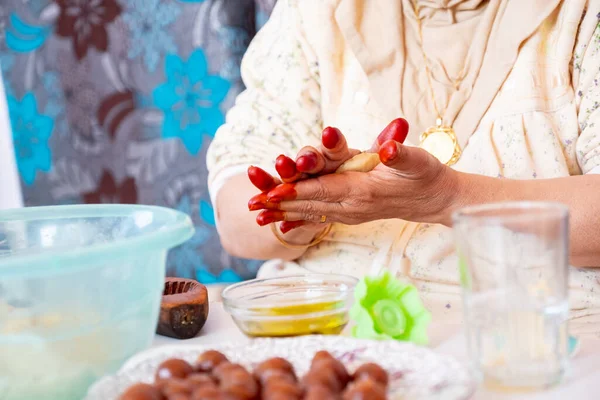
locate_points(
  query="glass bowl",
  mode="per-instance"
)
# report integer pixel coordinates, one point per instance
(291, 305)
(80, 292)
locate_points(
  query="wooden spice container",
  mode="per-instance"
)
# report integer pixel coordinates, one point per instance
(184, 308)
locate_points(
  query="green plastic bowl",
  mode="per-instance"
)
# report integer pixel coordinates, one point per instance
(80, 291)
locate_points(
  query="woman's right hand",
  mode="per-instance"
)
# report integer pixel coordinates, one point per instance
(311, 162)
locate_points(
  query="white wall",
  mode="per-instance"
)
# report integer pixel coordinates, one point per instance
(10, 189)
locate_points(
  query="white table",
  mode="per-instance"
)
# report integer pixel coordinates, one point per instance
(582, 383)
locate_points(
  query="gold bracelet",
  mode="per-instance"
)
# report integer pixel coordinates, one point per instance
(318, 239)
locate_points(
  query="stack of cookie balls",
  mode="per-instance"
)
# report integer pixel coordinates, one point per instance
(214, 377)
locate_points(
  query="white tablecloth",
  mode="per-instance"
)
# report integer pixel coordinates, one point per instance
(582, 383)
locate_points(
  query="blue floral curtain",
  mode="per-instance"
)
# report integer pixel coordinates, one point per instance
(116, 101)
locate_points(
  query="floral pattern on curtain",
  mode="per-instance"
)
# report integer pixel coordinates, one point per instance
(116, 101)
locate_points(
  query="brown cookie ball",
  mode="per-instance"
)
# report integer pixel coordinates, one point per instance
(210, 359)
(318, 392)
(276, 363)
(282, 390)
(279, 396)
(226, 368)
(240, 391)
(365, 389)
(322, 356)
(174, 386)
(208, 393)
(323, 376)
(239, 375)
(179, 396)
(142, 391)
(338, 368)
(200, 379)
(373, 372)
(173, 368)
(275, 375)
(240, 384)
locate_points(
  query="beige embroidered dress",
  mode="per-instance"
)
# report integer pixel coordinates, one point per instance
(526, 108)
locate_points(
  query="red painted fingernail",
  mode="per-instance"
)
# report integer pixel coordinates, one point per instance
(287, 226)
(330, 137)
(261, 179)
(282, 192)
(306, 162)
(388, 151)
(285, 166)
(396, 130)
(269, 216)
(258, 202)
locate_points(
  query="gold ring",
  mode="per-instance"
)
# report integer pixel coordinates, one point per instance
(323, 219)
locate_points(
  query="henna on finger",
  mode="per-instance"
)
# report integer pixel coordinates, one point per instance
(287, 226)
(338, 152)
(286, 168)
(310, 161)
(335, 149)
(388, 152)
(261, 179)
(260, 202)
(396, 130)
(267, 217)
(285, 191)
(331, 137)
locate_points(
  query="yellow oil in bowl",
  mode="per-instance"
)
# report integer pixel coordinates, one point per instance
(308, 319)
(291, 306)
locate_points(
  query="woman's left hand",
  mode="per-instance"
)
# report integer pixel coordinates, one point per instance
(409, 184)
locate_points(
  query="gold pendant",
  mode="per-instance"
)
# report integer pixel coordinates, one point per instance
(441, 142)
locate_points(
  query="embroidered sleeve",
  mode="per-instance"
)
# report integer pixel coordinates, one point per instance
(586, 77)
(279, 112)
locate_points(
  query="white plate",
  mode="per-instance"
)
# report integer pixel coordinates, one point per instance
(415, 372)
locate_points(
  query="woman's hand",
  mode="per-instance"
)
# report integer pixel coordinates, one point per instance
(410, 184)
(333, 153)
(311, 162)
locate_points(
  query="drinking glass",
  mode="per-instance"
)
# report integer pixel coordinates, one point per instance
(513, 263)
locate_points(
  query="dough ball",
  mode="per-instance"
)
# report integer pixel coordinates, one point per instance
(362, 162)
